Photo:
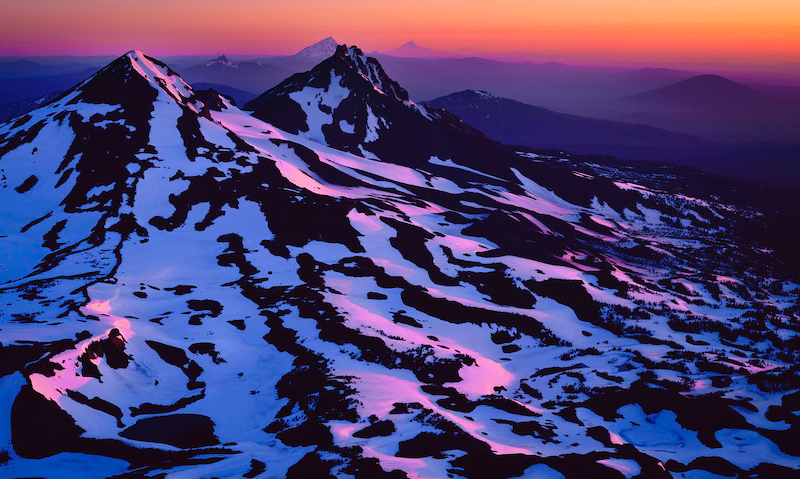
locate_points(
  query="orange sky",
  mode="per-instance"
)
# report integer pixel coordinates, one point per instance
(748, 31)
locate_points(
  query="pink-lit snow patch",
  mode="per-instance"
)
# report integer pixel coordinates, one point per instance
(627, 467)
(615, 439)
(544, 229)
(415, 210)
(159, 76)
(633, 186)
(701, 384)
(593, 234)
(477, 380)
(69, 377)
(410, 466)
(379, 392)
(393, 269)
(365, 224)
(603, 222)
(344, 431)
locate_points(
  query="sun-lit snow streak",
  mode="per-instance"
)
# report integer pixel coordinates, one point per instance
(344, 430)
(701, 384)
(381, 391)
(260, 135)
(544, 201)
(749, 367)
(536, 204)
(160, 76)
(99, 307)
(627, 467)
(615, 439)
(409, 465)
(436, 161)
(477, 380)
(594, 234)
(544, 229)
(367, 224)
(414, 210)
(392, 269)
(69, 378)
(633, 186)
(603, 222)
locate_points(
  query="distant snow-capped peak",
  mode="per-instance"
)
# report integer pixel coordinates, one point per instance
(483, 94)
(221, 60)
(318, 51)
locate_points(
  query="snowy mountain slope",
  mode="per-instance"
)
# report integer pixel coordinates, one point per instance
(190, 291)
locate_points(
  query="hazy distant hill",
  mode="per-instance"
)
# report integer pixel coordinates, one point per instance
(23, 68)
(517, 123)
(549, 85)
(23, 88)
(411, 49)
(10, 110)
(711, 106)
(702, 93)
(247, 76)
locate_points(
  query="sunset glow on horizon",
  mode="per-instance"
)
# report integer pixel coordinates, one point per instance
(746, 31)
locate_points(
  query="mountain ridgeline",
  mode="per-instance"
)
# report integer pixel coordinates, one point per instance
(348, 284)
(350, 103)
(516, 123)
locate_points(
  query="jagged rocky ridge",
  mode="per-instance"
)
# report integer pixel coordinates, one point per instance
(350, 103)
(188, 290)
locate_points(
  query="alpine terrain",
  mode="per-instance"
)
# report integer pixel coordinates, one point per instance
(349, 284)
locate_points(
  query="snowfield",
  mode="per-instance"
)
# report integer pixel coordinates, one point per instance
(365, 287)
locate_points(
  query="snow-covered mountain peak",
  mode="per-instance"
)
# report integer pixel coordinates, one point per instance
(318, 51)
(220, 61)
(371, 70)
(159, 76)
(349, 102)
